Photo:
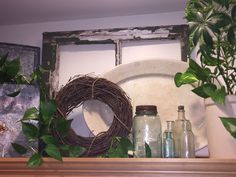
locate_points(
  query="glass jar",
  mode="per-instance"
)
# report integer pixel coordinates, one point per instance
(187, 144)
(147, 129)
(168, 141)
(178, 129)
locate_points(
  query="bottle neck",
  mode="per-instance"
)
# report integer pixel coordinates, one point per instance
(181, 115)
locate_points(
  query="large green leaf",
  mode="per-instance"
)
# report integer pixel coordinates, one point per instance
(3, 59)
(230, 125)
(49, 139)
(219, 95)
(35, 161)
(13, 67)
(122, 146)
(233, 13)
(231, 35)
(184, 78)
(31, 114)
(148, 150)
(62, 126)
(53, 151)
(19, 148)
(222, 19)
(30, 131)
(47, 110)
(199, 72)
(209, 89)
(75, 151)
(207, 38)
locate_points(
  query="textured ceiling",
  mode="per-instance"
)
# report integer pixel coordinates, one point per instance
(31, 11)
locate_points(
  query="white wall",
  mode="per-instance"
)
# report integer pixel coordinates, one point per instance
(31, 34)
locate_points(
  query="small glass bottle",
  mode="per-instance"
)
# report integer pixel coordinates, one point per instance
(147, 129)
(168, 141)
(178, 129)
(187, 144)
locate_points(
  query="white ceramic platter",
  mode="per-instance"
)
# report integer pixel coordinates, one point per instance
(152, 82)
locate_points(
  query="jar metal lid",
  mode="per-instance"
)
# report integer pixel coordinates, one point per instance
(142, 109)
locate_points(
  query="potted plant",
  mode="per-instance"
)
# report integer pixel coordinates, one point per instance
(212, 28)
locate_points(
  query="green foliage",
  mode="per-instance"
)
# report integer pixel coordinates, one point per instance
(19, 148)
(119, 148)
(212, 30)
(230, 125)
(148, 150)
(31, 114)
(35, 160)
(53, 151)
(10, 71)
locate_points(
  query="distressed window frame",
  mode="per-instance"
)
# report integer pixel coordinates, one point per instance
(53, 40)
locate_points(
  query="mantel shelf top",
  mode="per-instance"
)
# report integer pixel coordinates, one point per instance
(198, 167)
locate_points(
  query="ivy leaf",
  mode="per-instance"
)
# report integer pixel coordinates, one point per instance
(31, 114)
(14, 94)
(184, 78)
(35, 161)
(53, 151)
(121, 147)
(219, 95)
(75, 151)
(62, 126)
(230, 125)
(19, 148)
(47, 110)
(148, 150)
(199, 72)
(200, 91)
(30, 130)
(208, 89)
(3, 59)
(13, 67)
(48, 139)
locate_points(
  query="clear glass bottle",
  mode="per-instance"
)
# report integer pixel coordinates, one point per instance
(187, 144)
(168, 141)
(147, 128)
(178, 129)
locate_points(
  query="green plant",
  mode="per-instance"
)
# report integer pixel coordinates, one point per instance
(212, 27)
(41, 132)
(212, 31)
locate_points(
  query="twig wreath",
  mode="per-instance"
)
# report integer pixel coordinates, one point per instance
(82, 88)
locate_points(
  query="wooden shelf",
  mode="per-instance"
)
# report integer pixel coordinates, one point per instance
(71, 167)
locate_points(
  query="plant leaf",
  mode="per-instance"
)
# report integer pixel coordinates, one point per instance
(13, 67)
(231, 35)
(31, 114)
(62, 126)
(75, 151)
(47, 110)
(48, 139)
(35, 161)
(219, 95)
(184, 78)
(30, 130)
(53, 151)
(230, 125)
(3, 59)
(148, 150)
(233, 13)
(209, 89)
(14, 94)
(19, 148)
(207, 38)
